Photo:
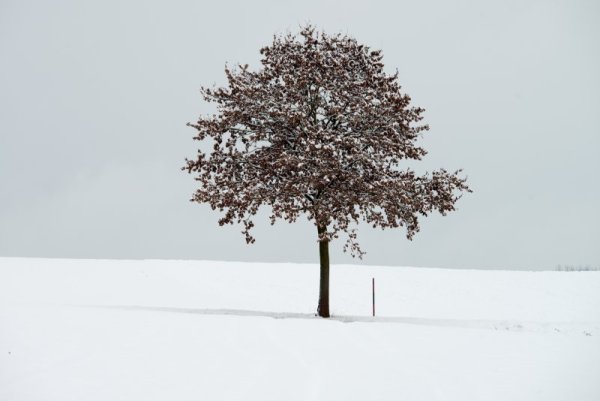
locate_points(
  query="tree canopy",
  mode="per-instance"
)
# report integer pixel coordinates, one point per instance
(319, 130)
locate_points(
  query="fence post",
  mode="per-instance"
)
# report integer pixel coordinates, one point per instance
(373, 289)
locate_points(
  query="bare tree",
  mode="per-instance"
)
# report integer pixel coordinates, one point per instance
(319, 130)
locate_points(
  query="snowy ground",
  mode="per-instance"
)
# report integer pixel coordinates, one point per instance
(177, 330)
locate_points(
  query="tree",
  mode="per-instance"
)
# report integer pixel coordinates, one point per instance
(321, 131)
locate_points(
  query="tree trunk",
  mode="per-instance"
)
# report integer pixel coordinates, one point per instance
(323, 309)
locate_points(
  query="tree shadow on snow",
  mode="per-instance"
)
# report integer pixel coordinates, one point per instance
(504, 325)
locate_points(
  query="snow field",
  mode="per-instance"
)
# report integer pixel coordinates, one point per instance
(194, 330)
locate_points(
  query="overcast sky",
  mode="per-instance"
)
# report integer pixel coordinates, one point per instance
(94, 97)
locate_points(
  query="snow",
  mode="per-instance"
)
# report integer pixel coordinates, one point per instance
(193, 330)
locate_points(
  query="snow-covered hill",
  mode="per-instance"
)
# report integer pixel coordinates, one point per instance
(199, 330)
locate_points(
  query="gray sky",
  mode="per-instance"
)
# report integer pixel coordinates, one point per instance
(94, 97)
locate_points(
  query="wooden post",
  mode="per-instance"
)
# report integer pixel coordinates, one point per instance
(373, 288)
